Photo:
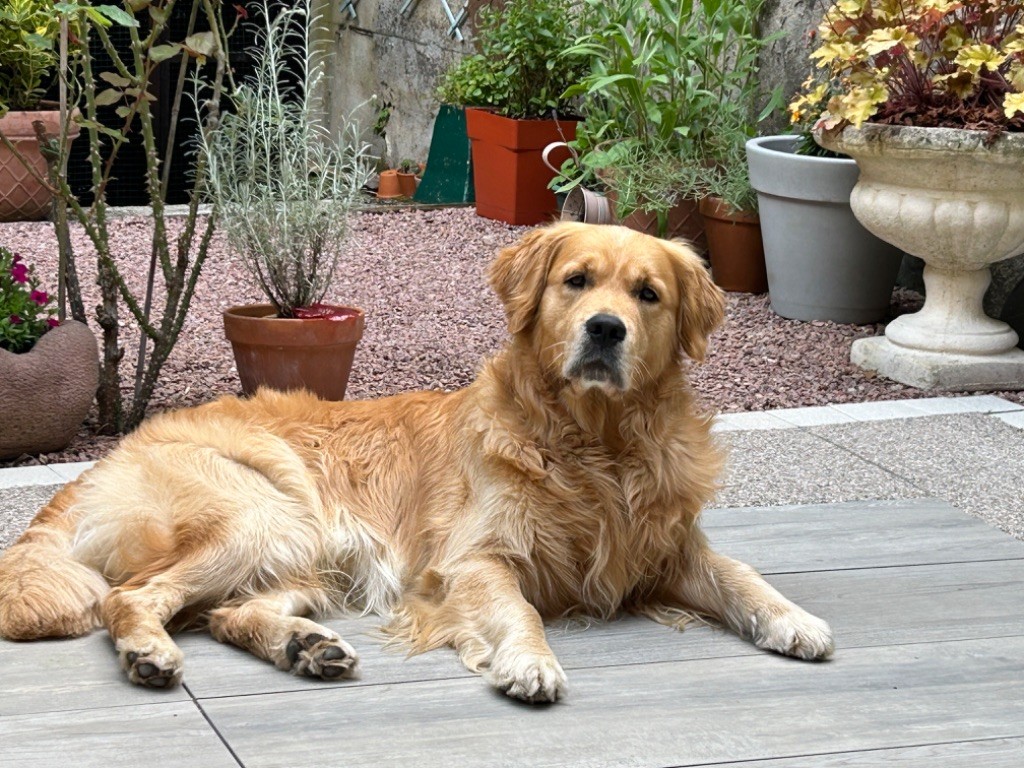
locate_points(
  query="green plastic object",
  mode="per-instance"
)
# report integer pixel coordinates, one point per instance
(448, 178)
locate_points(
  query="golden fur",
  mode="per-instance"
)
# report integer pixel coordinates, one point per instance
(567, 478)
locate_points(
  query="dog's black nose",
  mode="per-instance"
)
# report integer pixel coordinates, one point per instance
(606, 330)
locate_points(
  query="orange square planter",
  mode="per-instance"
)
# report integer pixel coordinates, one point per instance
(510, 178)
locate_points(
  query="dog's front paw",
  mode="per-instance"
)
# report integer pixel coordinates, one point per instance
(795, 632)
(528, 676)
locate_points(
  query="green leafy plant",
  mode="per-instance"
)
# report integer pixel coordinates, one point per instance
(408, 166)
(671, 92)
(281, 184)
(521, 68)
(931, 63)
(26, 312)
(29, 31)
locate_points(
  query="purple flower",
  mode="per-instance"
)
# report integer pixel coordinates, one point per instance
(17, 258)
(53, 322)
(15, 320)
(20, 273)
(39, 297)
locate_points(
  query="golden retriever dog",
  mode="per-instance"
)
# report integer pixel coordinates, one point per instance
(567, 479)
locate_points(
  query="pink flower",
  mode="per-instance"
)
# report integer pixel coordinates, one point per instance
(39, 297)
(15, 320)
(53, 322)
(20, 273)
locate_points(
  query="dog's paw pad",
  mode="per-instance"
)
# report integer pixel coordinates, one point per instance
(315, 655)
(152, 669)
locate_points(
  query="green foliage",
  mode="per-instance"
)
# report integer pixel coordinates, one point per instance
(521, 68)
(29, 30)
(281, 184)
(26, 312)
(408, 166)
(672, 91)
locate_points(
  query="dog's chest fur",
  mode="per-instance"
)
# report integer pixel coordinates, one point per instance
(592, 526)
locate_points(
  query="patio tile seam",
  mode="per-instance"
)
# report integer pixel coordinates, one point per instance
(213, 726)
(769, 761)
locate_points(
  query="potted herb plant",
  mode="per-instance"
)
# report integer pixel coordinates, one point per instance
(729, 64)
(282, 186)
(822, 263)
(29, 34)
(513, 90)
(48, 370)
(407, 171)
(930, 103)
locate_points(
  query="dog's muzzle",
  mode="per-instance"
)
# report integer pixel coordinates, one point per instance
(598, 357)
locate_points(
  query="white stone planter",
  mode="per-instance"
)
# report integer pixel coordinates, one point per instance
(945, 196)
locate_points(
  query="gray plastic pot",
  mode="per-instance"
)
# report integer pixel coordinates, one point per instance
(822, 264)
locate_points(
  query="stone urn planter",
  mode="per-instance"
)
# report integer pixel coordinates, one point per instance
(45, 393)
(822, 263)
(956, 200)
(315, 354)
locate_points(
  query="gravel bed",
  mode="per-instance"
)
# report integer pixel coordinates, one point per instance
(420, 278)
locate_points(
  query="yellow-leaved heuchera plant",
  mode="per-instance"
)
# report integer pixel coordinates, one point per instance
(930, 63)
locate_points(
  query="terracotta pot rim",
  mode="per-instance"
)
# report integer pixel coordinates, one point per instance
(716, 208)
(249, 312)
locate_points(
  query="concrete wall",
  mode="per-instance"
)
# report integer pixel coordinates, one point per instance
(398, 59)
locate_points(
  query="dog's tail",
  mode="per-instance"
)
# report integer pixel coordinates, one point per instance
(44, 591)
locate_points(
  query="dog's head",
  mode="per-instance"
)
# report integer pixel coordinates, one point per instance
(605, 306)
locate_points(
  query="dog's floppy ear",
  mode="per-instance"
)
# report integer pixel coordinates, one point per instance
(520, 273)
(701, 302)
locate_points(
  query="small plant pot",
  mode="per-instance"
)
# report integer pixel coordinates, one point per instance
(389, 187)
(735, 249)
(407, 184)
(288, 354)
(46, 392)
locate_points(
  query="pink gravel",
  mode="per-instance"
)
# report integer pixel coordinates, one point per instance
(420, 277)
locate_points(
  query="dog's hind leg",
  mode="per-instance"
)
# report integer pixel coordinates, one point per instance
(136, 612)
(272, 627)
(44, 590)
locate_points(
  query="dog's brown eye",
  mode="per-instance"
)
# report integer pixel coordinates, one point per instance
(648, 295)
(576, 281)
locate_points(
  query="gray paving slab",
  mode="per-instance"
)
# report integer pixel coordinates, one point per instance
(974, 461)
(165, 735)
(60, 675)
(990, 753)
(855, 535)
(17, 508)
(19, 476)
(811, 417)
(672, 714)
(795, 467)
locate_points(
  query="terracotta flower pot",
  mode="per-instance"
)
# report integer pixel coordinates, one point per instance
(22, 198)
(388, 187)
(287, 354)
(734, 247)
(509, 176)
(46, 392)
(684, 221)
(407, 184)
